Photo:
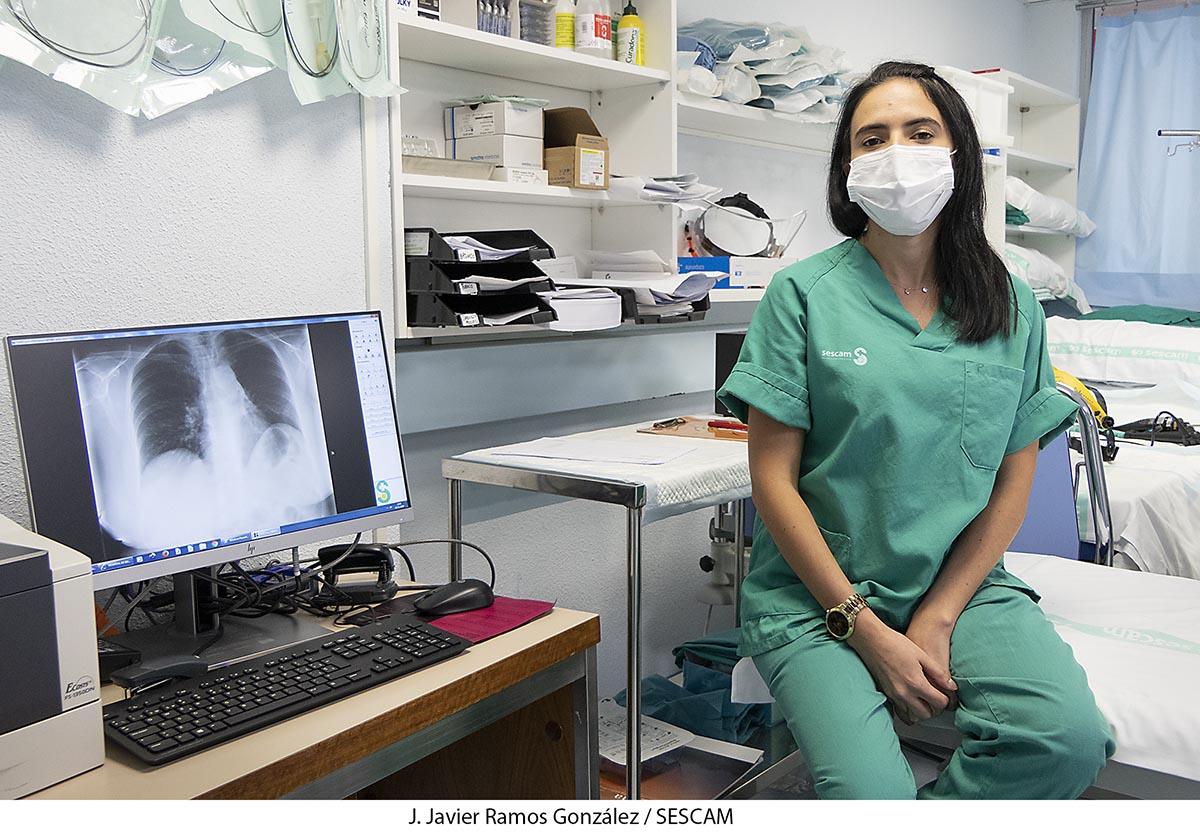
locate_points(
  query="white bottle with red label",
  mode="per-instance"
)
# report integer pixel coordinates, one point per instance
(593, 29)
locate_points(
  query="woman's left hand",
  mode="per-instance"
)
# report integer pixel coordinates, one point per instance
(934, 638)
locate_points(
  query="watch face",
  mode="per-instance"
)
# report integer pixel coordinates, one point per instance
(837, 623)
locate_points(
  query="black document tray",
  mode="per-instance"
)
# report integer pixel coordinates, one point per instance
(427, 243)
(424, 275)
(440, 309)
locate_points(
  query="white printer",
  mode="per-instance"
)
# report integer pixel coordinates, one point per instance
(51, 723)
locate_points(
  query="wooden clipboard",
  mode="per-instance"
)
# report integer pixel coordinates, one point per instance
(697, 428)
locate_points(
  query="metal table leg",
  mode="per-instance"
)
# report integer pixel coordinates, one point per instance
(455, 529)
(739, 547)
(633, 677)
(587, 732)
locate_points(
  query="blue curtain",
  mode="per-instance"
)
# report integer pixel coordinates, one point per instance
(1146, 205)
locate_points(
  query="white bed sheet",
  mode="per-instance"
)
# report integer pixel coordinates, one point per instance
(1138, 637)
(713, 471)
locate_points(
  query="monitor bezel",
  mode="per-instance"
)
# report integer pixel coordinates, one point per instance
(243, 550)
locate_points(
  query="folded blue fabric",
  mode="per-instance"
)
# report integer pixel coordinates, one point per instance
(702, 705)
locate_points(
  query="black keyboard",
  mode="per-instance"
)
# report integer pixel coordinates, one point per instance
(186, 716)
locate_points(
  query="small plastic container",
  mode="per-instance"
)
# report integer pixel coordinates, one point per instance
(537, 21)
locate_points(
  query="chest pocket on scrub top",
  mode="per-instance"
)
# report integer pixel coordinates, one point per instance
(990, 398)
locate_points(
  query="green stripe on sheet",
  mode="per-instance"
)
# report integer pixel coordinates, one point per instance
(1145, 638)
(1125, 352)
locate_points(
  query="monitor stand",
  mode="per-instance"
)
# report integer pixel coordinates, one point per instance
(221, 642)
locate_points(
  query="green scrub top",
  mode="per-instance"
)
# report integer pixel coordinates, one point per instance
(905, 429)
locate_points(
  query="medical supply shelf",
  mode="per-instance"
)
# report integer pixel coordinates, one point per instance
(1044, 152)
(1026, 161)
(459, 188)
(439, 61)
(710, 473)
(445, 44)
(730, 309)
(719, 119)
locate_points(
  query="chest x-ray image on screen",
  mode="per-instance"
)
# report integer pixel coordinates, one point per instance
(164, 449)
(202, 435)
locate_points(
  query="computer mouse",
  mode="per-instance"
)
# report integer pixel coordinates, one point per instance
(456, 596)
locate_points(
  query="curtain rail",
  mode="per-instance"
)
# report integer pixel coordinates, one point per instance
(1101, 5)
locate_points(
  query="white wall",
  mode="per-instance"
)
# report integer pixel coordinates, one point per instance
(241, 205)
(1052, 44)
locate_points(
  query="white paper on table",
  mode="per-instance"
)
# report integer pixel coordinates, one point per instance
(639, 449)
(657, 737)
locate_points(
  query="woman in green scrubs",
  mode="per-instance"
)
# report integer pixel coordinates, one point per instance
(898, 388)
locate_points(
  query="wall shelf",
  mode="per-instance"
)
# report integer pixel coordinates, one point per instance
(1025, 161)
(1034, 230)
(445, 44)
(718, 119)
(1030, 93)
(491, 191)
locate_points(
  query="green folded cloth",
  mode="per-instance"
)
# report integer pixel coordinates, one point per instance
(718, 650)
(1148, 313)
(1014, 216)
(702, 705)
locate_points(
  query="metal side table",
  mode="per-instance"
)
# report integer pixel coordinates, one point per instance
(712, 472)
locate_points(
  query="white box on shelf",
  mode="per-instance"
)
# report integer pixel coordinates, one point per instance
(529, 176)
(501, 149)
(988, 100)
(488, 119)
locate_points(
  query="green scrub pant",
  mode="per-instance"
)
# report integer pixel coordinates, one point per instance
(1029, 722)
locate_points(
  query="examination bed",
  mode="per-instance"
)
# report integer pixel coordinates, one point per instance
(1138, 637)
(1142, 369)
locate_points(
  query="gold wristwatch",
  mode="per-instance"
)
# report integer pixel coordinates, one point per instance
(839, 620)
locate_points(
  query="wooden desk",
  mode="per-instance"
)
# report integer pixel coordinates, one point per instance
(538, 679)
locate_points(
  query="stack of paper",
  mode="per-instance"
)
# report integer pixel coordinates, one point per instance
(584, 309)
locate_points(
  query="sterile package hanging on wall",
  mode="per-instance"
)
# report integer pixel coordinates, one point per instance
(191, 62)
(363, 59)
(102, 48)
(310, 30)
(254, 25)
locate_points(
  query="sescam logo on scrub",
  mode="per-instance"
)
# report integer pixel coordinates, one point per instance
(858, 355)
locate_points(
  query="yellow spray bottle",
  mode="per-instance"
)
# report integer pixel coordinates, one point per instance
(631, 36)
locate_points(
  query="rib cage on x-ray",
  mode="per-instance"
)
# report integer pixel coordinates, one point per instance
(201, 435)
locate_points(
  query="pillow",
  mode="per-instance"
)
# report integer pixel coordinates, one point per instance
(1042, 273)
(1046, 212)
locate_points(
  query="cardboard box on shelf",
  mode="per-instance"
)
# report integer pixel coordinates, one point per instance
(487, 119)
(528, 176)
(501, 149)
(576, 154)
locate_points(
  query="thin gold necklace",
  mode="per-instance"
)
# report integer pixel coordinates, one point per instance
(908, 290)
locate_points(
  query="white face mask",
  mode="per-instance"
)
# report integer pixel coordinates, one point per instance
(902, 188)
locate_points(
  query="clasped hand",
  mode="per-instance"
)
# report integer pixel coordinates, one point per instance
(912, 670)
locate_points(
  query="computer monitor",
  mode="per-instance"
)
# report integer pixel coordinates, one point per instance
(161, 450)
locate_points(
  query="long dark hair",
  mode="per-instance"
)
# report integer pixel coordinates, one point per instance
(975, 286)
